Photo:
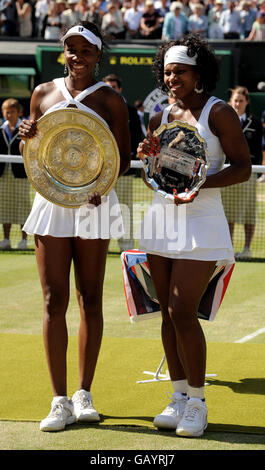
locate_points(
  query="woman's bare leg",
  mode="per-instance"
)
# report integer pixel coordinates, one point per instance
(89, 261)
(180, 285)
(189, 279)
(160, 269)
(54, 261)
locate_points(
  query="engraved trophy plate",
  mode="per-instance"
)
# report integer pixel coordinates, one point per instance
(73, 155)
(182, 161)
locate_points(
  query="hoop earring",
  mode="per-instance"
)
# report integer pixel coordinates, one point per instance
(198, 90)
(65, 70)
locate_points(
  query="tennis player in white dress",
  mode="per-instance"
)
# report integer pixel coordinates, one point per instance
(80, 236)
(192, 234)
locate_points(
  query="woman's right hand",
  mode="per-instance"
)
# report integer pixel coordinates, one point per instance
(150, 146)
(27, 129)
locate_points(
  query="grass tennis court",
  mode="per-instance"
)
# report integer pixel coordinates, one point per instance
(129, 349)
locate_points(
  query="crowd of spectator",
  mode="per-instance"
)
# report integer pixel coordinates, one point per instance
(136, 19)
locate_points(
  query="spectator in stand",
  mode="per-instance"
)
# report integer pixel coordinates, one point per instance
(198, 22)
(240, 200)
(52, 23)
(24, 13)
(82, 7)
(14, 185)
(258, 28)
(175, 23)
(9, 11)
(132, 19)
(208, 6)
(62, 5)
(186, 9)
(230, 21)
(214, 29)
(41, 11)
(142, 6)
(248, 16)
(193, 3)
(94, 14)
(112, 23)
(126, 5)
(150, 26)
(162, 6)
(261, 5)
(70, 16)
(102, 5)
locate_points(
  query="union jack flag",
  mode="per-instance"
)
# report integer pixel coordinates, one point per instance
(140, 292)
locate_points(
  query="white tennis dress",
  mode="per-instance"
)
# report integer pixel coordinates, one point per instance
(88, 221)
(197, 230)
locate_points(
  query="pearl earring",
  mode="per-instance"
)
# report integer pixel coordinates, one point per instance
(65, 70)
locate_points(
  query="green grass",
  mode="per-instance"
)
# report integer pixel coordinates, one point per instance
(241, 313)
(26, 436)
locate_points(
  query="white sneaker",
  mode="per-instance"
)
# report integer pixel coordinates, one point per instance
(172, 414)
(261, 179)
(194, 420)
(245, 254)
(23, 244)
(83, 407)
(5, 244)
(61, 414)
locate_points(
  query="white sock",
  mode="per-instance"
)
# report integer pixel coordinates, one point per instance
(180, 386)
(194, 392)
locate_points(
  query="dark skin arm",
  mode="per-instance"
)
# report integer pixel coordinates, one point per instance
(225, 124)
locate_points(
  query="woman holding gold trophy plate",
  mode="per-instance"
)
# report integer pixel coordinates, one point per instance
(186, 234)
(79, 234)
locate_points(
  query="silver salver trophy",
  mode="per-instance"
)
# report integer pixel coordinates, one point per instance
(181, 164)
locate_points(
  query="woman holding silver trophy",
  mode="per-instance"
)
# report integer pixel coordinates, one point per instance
(184, 232)
(76, 137)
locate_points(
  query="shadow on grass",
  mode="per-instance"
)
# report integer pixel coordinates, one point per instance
(215, 432)
(255, 386)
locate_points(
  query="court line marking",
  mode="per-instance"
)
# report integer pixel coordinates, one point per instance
(252, 335)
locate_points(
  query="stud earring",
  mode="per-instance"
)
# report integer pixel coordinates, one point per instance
(198, 90)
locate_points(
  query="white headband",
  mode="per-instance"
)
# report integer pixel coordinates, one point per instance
(178, 55)
(81, 31)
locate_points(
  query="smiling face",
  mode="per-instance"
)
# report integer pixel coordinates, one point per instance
(180, 79)
(80, 56)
